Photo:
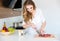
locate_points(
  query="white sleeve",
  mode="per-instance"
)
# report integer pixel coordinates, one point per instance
(42, 16)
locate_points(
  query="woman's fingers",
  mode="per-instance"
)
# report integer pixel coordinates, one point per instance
(42, 31)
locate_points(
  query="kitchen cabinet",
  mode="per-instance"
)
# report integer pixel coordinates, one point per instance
(6, 12)
(9, 12)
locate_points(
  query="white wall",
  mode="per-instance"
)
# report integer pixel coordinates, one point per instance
(51, 11)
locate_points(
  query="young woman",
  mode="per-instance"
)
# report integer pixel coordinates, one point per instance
(34, 21)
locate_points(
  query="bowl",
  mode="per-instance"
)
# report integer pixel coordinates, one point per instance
(6, 33)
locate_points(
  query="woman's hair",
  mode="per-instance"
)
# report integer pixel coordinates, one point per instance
(27, 15)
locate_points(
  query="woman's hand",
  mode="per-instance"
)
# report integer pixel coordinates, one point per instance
(32, 25)
(29, 24)
(42, 31)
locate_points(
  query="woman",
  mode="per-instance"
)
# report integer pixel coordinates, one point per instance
(34, 22)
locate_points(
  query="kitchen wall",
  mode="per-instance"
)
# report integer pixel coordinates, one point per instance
(9, 21)
(51, 11)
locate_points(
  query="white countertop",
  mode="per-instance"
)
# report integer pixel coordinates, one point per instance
(16, 37)
(13, 37)
(38, 39)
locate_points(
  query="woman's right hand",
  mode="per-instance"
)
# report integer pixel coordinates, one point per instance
(25, 25)
(29, 24)
(32, 25)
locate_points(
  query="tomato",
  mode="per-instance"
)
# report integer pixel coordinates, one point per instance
(45, 35)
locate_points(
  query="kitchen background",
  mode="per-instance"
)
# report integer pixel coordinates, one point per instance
(8, 12)
(51, 11)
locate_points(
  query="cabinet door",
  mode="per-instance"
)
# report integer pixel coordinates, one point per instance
(5, 11)
(6, 3)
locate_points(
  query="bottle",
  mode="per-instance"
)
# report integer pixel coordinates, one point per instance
(14, 25)
(5, 28)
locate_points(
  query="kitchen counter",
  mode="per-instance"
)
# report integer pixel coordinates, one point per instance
(13, 37)
(26, 38)
(37, 39)
(16, 37)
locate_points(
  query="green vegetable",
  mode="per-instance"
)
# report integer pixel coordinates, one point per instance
(11, 30)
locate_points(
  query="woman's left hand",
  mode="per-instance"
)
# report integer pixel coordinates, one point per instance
(42, 31)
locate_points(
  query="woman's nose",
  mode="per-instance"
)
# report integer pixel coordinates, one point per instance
(30, 10)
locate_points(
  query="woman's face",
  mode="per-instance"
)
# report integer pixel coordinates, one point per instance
(29, 8)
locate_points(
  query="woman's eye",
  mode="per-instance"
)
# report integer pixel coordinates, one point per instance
(31, 8)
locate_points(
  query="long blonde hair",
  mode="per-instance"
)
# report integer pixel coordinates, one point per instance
(27, 15)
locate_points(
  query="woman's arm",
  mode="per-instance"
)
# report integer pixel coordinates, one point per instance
(29, 24)
(42, 27)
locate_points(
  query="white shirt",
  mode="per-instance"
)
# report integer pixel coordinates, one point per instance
(37, 20)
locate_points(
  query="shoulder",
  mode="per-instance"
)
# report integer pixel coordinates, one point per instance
(39, 11)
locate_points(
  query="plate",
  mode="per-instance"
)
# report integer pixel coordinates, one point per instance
(5, 33)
